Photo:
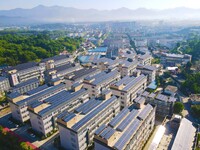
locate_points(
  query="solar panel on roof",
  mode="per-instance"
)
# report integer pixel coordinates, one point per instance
(145, 112)
(101, 128)
(60, 100)
(127, 120)
(119, 117)
(109, 134)
(105, 131)
(133, 82)
(87, 118)
(127, 135)
(69, 117)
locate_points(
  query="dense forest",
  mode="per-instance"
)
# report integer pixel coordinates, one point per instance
(192, 83)
(18, 48)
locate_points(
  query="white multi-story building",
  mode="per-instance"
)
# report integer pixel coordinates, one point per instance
(24, 72)
(43, 115)
(145, 59)
(149, 71)
(77, 129)
(129, 130)
(79, 75)
(61, 71)
(4, 84)
(168, 59)
(106, 63)
(19, 103)
(101, 81)
(164, 103)
(127, 68)
(127, 88)
(25, 86)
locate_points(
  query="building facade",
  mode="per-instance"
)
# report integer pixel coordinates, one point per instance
(4, 84)
(43, 115)
(127, 88)
(77, 129)
(19, 103)
(129, 130)
(101, 81)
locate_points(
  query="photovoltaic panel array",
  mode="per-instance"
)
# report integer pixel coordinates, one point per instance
(127, 120)
(107, 132)
(69, 117)
(100, 129)
(133, 82)
(145, 112)
(119, 117)
(88, 106)
(105, 77)
(60, 100)
(41, 94)
(127, 135)
(92, 114)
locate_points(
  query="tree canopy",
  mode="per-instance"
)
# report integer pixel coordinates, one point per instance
(178, 107)
(21, 48)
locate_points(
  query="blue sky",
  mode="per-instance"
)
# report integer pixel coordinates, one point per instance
(101, 4)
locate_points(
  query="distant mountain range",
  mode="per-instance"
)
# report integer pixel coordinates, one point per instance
(58, 14)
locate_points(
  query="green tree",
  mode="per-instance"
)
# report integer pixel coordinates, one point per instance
(25, 146)
(178, 107)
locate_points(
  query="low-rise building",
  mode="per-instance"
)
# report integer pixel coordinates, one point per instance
(19, 103)
(168, 59)
(171, 90)
(127, 88)
(26, 86)
(4, 84)
(77, 129)
(164, 103)
(79, 75)
(101, 81)
(43, 114)
(129, 130)
(149, 71)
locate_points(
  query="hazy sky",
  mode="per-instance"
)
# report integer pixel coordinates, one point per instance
(101, 4)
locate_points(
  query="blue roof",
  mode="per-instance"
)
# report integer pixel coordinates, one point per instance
(152, 85)
(99, 49)
(88, 58)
